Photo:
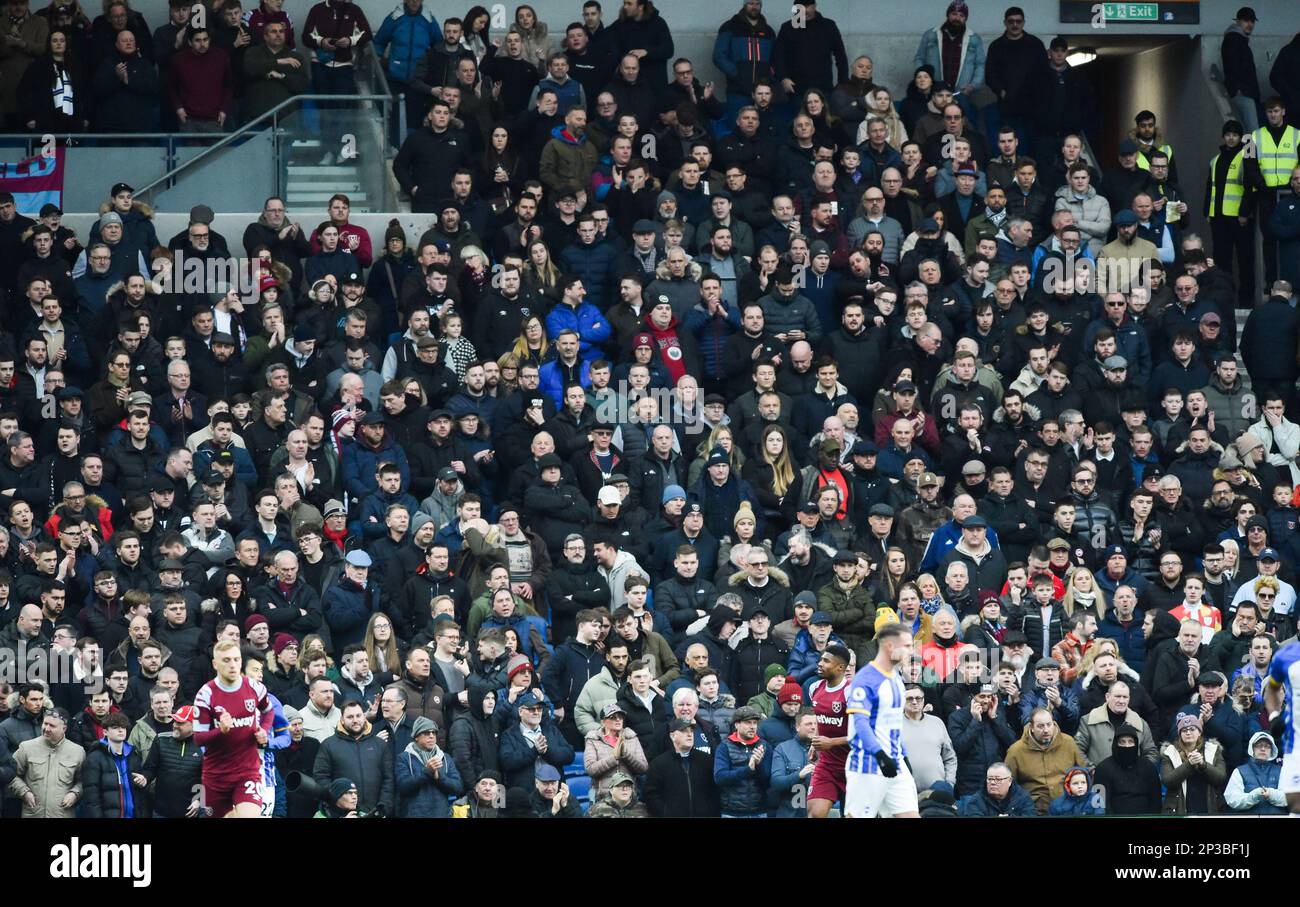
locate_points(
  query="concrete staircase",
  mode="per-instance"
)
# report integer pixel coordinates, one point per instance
(310, 184)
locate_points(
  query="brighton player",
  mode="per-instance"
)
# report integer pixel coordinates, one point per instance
(254, 669)
(829, 699)
(234, 718)
(879, 782)
(1280, 696)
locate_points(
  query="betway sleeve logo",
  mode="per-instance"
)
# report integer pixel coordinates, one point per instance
(75, 860)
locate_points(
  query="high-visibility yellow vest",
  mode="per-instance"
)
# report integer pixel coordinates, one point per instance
(1233, 188)
(1276, 159)
(1145, 164)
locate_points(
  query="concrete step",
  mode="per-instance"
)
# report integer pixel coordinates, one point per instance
(345, 186)
(318, 172)
(305, 197)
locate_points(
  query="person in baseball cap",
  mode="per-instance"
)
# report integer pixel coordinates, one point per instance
(359, 559)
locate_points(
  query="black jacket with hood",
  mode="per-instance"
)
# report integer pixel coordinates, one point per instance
(1130, 784)
(473, 740)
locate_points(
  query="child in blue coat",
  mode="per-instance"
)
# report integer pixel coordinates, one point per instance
(1077, 798)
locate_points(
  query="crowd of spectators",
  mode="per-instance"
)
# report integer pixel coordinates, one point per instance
(567, 505)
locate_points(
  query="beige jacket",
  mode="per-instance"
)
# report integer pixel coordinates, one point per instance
(49, 772)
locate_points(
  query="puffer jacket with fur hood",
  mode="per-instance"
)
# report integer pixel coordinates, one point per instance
(682, 292)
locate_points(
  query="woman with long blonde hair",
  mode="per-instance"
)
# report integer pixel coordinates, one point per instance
(931, 595)
(531, 345)
(541, 274)
(723, 437)
(381, 645)
(508, 367)
(1082, 591)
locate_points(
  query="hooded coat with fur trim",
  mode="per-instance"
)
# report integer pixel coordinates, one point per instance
(1196, 471)
(774, 597)
(681, 292)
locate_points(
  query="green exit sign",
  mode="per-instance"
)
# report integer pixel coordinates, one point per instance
(1131, 12)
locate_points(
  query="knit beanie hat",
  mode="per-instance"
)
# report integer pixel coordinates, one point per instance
(744, 512)
(772, 670)
(516, 664)
(791, 692)
(1245, 444)
(394, 231)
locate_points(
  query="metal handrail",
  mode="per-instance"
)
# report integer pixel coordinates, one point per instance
(255, 126)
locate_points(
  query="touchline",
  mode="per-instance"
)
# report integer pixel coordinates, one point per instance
(75, 860)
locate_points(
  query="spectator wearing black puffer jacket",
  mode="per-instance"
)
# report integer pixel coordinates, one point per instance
(647, 711)
(752, 656)
(686, 597)
(572, 587)
(111, 782)
(532, 738)
(174, 767)
(570, 666)
(980, 736)
(353, 751)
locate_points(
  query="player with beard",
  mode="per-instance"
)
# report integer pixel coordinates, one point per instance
(878, 779)
(828, 696)
(234, 719)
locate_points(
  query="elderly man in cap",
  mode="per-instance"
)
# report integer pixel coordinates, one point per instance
(1220, 720)
(946, 536)
(550, 797)
(1048, 692)
(985, 564)
(880, 533)
(619, 800)
(426, 775)
(925, 516)
(350, 602)
(680, 781)
(534, 739)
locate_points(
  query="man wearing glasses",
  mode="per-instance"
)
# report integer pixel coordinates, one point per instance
(1267, 563)
(1094, 521)
(760, 590)
(1001, 797)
